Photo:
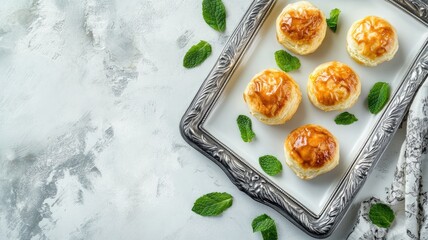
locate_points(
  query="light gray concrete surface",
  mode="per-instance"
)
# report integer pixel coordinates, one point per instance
(91, 95)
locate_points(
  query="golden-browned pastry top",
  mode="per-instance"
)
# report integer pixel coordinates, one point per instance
(302, 25)
(269, 91)
(374, 36)
(334, 83)
(311, 146)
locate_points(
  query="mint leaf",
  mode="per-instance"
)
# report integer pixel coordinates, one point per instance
(265, 225)
(197, 54)
(345, 118)
(214, 14)
(244, 124)
(378, 97)
(381, 215)
(286, 61)
(270, 164)
(270, 234)
(262, 223)
(212, 204)
(334, 18)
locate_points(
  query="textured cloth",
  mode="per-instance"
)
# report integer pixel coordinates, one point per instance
(407, 196)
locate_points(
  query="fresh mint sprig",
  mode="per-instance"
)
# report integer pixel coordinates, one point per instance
(262, 223)
(214, 14)
(381, 215)
(212, 204)
(245, 127)
(334, 19)
(266, 225)
(345, 118)
(197, 54)
(378, 97)
(270, 164)
(286, 61)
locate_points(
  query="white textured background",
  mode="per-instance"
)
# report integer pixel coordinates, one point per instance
(91, 95)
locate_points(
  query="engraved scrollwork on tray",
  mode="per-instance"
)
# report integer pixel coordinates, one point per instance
(418, 8)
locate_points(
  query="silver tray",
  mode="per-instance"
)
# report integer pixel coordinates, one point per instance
(257, 185)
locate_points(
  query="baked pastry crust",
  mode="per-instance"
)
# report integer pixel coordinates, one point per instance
(272, 96)
(333, 86)
(372, 40)
(301, 27)
(311, 150)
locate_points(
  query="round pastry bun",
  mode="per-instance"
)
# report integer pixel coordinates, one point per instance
(371, 41)
(311, 150)
(333, 86)
(301, 27)
(272, 96)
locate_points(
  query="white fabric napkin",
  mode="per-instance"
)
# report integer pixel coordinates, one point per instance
(407, 196)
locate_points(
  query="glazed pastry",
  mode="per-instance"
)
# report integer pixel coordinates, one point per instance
(272, 96)
(333, 86)
(372, 40)
(311, 150)
(301, 27)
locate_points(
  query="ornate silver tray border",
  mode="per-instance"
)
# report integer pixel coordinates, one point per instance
(416, 8)
(252, 182)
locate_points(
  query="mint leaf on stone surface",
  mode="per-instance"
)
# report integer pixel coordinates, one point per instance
(333, 20)
(286, 61)
(378, 97)
(245, 127)
(214, 14)
(212, 204)
(270, 234)
(197, 54)
(381, 215)
(345, 118)
(262, 223)
(270, 164)
(266, 225)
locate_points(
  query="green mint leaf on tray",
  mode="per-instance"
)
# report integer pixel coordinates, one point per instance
(286, 61)
(345, 118)
(245, 127)
(212, 204)
(197, 54)
(265, 225)
(378, 97)
(381, 215)
(262, 223)
(270, 164)
(334, 18)
(214, 14)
